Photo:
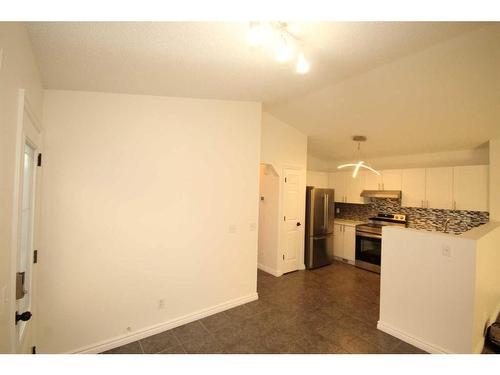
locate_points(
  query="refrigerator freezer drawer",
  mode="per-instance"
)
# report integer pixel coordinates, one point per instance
(319, 251)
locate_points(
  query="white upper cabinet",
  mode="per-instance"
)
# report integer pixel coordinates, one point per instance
(372, 181)
(339, 181)
(347, 189)
(391, 179)
(354, 188)
(470, 188)
(439, 188)
(413, 187)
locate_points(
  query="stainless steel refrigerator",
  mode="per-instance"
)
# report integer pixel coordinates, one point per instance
(319, 227)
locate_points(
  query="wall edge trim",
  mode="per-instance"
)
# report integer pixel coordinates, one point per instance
(159, 328)
(269, 270)
(412, 340)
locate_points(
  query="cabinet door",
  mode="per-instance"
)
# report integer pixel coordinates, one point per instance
(391, 179)
(349, 243)
(413, 187)
(470, 188)
(338, 241)
(338, 181)
(439, 187)
(372, 181)
(354, 188)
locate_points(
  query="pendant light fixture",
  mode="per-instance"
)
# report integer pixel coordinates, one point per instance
(277, 37)
(360, 163)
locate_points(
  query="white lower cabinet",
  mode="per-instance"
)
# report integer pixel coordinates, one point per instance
(338, 241)
(344, 242)
(349, 243)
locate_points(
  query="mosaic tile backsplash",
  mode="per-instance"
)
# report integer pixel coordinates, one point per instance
(418, 218)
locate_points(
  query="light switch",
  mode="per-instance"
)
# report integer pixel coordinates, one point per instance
(232, 228)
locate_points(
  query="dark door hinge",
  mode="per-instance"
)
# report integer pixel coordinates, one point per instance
(283, 256)
(284, 218)
(285, 179)
(33, 350)
(35, 256)
(39, 160)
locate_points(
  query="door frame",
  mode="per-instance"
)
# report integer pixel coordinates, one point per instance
(302, 183)
(31, 134)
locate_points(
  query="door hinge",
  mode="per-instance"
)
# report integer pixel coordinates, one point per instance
(35, 256)
(283, 256)
(285, 179)
(33, 350)
(39, 160)
(284, 218)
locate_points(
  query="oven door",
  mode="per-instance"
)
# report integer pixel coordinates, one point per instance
(368, 251)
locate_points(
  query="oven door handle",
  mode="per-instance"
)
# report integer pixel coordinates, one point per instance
(367, 235)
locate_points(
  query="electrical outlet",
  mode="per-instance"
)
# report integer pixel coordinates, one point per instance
(161, 303)
(252, 227)
(232, 228)
(446, 251)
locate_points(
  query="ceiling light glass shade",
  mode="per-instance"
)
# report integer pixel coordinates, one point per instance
(255, 34)
(284, 50)
(303, 65)
(357, 166)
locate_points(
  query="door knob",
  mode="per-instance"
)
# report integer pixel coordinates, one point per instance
(298, 224)
(25, 316)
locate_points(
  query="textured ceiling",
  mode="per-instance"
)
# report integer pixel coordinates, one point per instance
(213, 60)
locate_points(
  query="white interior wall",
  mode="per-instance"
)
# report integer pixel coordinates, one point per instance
(487, 292)
(269, 223)
(426, 296)
(317, 179)
(317, 164)
(494, 157)
(149, 215)
(18, 70)
(283, 146)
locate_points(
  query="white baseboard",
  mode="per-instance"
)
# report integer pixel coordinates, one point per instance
(269, 270)
(158, 328)
(346, 261)
(415, 341)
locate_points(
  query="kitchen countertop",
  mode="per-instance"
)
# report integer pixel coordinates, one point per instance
(352, 223)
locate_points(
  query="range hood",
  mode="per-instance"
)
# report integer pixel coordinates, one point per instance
(395, 194)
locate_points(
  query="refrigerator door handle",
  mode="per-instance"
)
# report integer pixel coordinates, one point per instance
(325, 211)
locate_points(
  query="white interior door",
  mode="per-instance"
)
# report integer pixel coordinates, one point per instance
(24, 273)
(25, 220)
(292, 203)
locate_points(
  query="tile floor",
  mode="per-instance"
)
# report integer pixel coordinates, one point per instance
(333, 309)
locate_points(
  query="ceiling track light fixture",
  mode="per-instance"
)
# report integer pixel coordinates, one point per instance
(360, 163)
(276, 36)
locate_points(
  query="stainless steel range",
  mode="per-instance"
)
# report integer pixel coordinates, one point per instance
(369, 240)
